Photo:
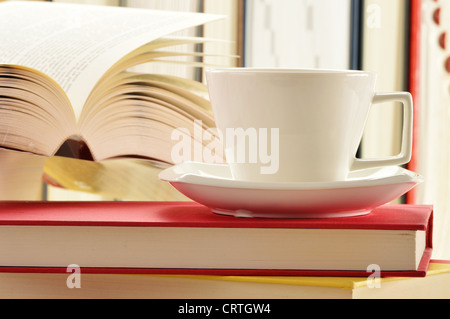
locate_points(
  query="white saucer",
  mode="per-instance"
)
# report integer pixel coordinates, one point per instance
(213, 186)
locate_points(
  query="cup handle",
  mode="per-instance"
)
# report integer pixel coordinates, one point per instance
(406, 149)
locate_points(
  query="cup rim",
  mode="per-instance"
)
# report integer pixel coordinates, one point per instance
(275, 70)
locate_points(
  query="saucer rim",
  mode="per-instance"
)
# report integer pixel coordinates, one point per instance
(402, 176)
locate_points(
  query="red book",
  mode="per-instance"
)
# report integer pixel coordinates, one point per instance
(187, 238)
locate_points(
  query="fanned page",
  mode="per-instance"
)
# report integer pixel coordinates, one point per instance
(76, 44)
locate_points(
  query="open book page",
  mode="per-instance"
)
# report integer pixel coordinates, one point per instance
(77, 44)
(157, 51)
(123, 179)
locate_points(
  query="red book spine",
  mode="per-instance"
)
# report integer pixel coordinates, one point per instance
(414, 84)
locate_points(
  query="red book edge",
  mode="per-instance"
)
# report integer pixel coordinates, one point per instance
(414, 86)
(191, 214)
(224, 221)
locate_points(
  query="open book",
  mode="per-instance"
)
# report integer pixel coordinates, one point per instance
(63, 77)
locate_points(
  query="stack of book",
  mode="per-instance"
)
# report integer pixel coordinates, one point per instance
(183, 250)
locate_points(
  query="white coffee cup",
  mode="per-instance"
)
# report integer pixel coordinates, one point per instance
(308, 123)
